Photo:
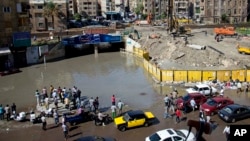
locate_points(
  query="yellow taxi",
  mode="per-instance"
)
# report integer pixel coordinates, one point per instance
(134, 118)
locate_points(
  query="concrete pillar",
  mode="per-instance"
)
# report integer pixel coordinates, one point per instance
(96, 50)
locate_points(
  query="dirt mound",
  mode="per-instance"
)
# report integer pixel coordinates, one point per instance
(170, 53)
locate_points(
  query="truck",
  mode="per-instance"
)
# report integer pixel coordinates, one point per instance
(204, 89)
(225, 31)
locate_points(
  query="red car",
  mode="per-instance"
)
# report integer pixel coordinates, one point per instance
(198, 98)
(213, 105)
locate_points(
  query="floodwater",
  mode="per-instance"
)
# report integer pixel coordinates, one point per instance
(103, 75)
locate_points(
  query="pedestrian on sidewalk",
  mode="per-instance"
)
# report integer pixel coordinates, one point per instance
(120, 105)
(37, 94)
(1, 112)
(13, 108)
(96, 104)
(178, 115)
(44, 122)
(193, 104)
(7, 112)
(65, 131)
(113, 99)
(226, 131)
(113, 110)
(166, 113)
(56, 117)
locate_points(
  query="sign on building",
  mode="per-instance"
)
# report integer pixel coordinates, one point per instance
(21, 39)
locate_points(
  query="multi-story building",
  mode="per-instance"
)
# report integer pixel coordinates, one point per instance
(72, 7)
(89, 7)
(234, 11)
(14, 18)
(41, 23)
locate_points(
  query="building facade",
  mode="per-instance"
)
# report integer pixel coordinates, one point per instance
(72, 7)
(41, 23)
(89, 7)
(14, 18)
(232, 11)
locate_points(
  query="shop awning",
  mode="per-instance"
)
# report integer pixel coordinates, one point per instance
(4, 51)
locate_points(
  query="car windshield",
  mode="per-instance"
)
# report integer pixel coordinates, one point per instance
(155, 137)
(178, 132)
(126, 117)
(211, 102)
(186, 97)
(196, 88)
(228, 110)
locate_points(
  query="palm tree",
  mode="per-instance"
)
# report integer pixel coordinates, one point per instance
(51, 10)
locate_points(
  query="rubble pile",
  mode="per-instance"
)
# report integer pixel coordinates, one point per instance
(173, 53)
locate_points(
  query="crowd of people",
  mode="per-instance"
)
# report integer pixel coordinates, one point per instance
(8, 112)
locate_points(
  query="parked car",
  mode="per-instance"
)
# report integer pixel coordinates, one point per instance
(95, 138)
(212, 105)
(134, 118)
(203, 89)
(234, 112)
(198, 98)
(79, 118)
(171, 135)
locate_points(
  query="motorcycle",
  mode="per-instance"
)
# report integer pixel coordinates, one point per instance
(107, 119)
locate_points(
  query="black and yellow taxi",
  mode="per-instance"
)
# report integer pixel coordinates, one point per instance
(134, 118)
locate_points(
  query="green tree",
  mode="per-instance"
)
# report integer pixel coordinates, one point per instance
(50, 10)
(77, 17)
(139, 8)
(224, 18)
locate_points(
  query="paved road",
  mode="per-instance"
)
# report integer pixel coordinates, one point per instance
(35, 133)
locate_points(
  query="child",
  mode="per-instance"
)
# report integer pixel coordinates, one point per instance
(178, 115)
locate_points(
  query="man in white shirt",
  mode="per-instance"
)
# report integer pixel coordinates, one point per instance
(226, 131)
(120, 105)
(193, 103)
(91, 103)
(101, 117)
(113, 110)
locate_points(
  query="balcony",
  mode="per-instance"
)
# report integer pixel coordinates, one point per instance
(23, 15)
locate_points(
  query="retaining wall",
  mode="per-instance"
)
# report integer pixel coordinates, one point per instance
(187, 75)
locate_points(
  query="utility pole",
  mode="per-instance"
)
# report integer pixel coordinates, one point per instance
(170, 15)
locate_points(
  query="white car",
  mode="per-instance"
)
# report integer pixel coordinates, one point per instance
(171, 135)
(203, 89)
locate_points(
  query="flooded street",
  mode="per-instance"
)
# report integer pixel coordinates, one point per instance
(107, 74)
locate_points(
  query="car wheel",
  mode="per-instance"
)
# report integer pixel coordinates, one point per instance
(122, 128)
(146, 124)
(233, 120)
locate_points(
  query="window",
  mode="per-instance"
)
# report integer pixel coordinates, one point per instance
(6, 9)
(38, 15)
(235, 11)
(168, 139)
(40, 24)
(39, 6)
(176, 138)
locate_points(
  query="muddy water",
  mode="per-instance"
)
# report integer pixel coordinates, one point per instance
(107, 74)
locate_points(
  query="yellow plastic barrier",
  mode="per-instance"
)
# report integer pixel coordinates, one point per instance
(194, 76)
(145, 64)
(167, 75)
(208, 75)
(189, 75)
(248, 76)
(150, 68)
(223, 75)
(238, 74)
(180, 76)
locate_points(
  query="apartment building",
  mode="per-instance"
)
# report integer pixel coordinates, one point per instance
(89, 7)
(72, 7)
(41, 23)
(14, 18)
(235, 11)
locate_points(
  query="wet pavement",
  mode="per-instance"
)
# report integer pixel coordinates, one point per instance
(110, 73)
